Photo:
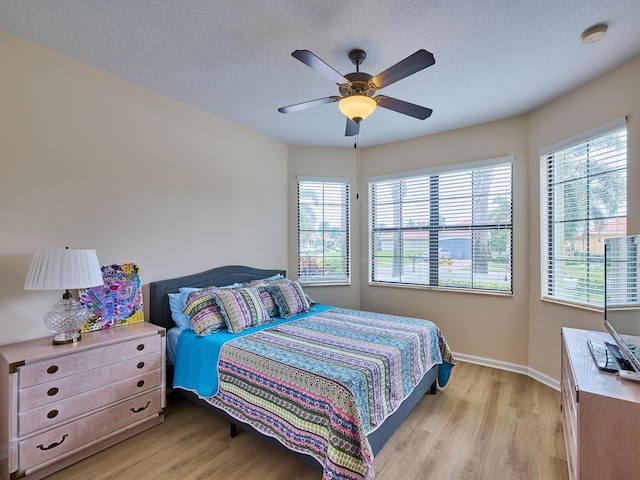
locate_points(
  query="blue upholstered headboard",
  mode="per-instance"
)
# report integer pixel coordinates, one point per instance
(160, 314)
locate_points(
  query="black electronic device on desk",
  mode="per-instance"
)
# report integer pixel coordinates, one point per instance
(608, 357)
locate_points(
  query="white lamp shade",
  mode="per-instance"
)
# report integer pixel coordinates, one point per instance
(357, 106)
(63, 269)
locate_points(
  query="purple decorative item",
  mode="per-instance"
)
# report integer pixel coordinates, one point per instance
(117, 302)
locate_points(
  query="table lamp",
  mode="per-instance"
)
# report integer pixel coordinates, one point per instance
(64, 269)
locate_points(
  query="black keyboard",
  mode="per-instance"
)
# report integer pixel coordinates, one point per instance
(623, 363)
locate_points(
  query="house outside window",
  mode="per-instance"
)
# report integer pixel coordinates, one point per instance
(447, 228)
(323, 231)
(583, 202)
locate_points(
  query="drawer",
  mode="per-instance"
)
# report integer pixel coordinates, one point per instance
(570, 426)
(59, 389)
(49, 415)
(65, 438)
(569, 392)
(84, 360)
(569, 407)
(570, 412)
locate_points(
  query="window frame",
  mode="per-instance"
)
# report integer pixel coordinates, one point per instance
(320, 261)
(553, 279)
(434, 227)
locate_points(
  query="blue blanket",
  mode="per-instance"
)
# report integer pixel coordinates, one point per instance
(193, 351)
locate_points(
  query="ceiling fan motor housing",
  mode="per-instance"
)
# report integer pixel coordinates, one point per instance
(360, 85)
(360, 81)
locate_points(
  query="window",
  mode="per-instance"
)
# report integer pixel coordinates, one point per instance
(323, 230)
(449, 228)
(583, 202)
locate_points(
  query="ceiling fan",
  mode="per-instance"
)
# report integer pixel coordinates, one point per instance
(357, 89)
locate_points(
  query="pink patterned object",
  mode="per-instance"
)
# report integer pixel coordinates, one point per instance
(117, 302)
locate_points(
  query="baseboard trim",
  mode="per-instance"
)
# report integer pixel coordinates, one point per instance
(510, 367)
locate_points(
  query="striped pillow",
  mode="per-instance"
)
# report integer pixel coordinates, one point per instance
(289, 297)
(267, 299)
(241, 308)
(204, 313)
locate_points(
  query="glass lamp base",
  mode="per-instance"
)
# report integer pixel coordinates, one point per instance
(65, 338)
(66, 320)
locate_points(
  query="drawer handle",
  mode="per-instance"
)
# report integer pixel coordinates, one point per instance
(52, 391)
(138, 410)
(141, 347)
(140, 383)
(54, 444)
(52, 369)
(52, 414)
(140, 365)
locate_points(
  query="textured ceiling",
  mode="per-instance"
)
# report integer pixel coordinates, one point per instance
(494, 58)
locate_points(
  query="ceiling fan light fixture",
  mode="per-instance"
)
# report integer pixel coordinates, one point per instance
(357, 107)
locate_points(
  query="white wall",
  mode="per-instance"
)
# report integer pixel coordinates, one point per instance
(485, 326)
(609, 97)
(520, 331)
(92, 161)
(89, 160)
(327, 162)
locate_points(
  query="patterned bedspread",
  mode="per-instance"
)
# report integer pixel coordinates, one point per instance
(320, 384)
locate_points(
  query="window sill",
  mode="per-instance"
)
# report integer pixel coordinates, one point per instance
(566, 303)
(332, 284)
(441, 289)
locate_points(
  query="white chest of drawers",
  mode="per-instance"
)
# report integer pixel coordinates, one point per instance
(600, 414)
(62, 403)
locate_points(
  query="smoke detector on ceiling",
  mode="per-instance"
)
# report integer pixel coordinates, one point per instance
(594, 34)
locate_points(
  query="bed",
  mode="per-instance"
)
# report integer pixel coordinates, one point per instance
(245, 365)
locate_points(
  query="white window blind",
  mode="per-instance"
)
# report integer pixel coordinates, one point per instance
(583, 203)
(450, 229)
(323, 230)
(622, 287)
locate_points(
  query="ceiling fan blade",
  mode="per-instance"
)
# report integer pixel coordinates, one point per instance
(312, 61)
(410, 65)
(310, 104)
(353, 128)
(401, 106)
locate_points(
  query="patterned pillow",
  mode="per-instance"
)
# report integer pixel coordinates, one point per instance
(289, 297)
(310, 300)
(204, 313)
(267, 299)
(241, 308)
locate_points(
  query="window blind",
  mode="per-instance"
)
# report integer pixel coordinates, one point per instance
(450, 229)
(622, 289)
(323, 230)
(583, 203)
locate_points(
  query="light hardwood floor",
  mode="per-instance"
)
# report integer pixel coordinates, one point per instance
(487, 424)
